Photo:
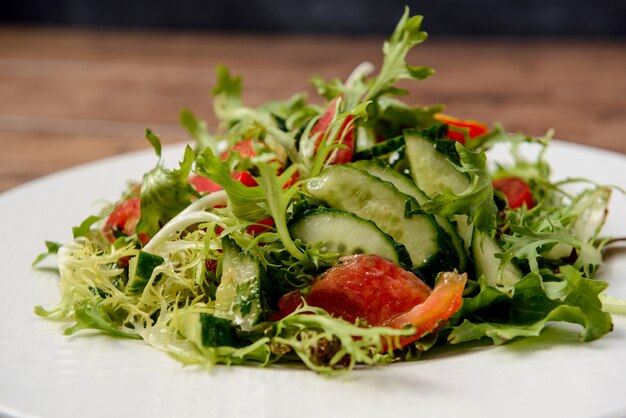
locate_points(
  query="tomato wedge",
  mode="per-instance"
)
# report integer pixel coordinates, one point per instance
(516, 190)
(473, 127)
(345, 136)
(374, 289)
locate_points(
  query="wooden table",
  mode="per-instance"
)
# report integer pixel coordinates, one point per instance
(71, 96)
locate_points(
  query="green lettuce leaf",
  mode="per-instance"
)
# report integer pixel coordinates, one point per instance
(92, 315)
(534, 303)
(244, 200)
(84, 229)
(164, 193)
(51, 247)
(199, 131)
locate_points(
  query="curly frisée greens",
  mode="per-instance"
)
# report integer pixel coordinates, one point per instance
(364, 231)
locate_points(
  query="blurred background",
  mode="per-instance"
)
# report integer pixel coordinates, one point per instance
(81, 79)
(526, 18)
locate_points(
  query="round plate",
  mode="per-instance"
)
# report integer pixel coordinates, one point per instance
(44, 373)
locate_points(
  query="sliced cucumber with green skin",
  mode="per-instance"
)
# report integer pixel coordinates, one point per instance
(238, 296)
(353, 190)
(386, 173)
(484, 250)
(346, 234)
(431, 167)
(383, 148)
(206, 330)
(140, 271)
(406, 186)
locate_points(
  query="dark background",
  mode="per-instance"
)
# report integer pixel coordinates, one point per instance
(501, 18)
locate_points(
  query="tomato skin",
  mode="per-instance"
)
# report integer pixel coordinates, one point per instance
(376, 290)
(260, 226)
(346, 134)
(474, 128)
(368, 287)
(443, 302)
(362, 286)
(245, 148)
(516, 190)
(203, 184)
(124, 219)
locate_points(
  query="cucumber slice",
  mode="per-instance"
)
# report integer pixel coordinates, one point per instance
(345, 233)
(140, 271)
(206, 330)
(383, 148)
(238, 296)
(431, 166)
(406, 186)
(386, 173)
(350, 189)
(484, 250)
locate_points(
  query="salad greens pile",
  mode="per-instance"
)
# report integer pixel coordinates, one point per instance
(200, 261)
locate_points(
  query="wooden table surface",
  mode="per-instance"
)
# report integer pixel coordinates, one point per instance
(70, 96)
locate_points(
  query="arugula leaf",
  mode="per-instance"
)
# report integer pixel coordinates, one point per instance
(227, 103)
(52, 248)
(154, 141)
(84, 229)
(164, 193)
(329, 90)
(278, 200)
(244, 200)
(199, 131)
(92, 315)
(406, 35)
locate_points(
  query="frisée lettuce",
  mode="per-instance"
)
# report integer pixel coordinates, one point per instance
(213, 262)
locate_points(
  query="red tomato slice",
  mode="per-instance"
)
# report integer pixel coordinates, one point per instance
(260, 226)
(346, 134)
(473, 127)
(368, 287)
(445, 300)
(516, 190)
(203, 184)
(362, 286)
(372, 288)
(123, 219)
(245, 148)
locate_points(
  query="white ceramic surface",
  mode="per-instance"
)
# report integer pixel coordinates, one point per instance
(43, 373)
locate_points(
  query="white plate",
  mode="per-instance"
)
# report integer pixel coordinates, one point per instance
(43, 373)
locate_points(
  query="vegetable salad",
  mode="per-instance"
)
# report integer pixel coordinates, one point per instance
(363, 231)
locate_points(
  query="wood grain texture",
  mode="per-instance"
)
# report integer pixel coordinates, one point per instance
(69, 96)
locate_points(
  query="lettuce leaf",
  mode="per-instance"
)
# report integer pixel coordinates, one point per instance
(244, 200)
(535, 301)
(164, 193)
